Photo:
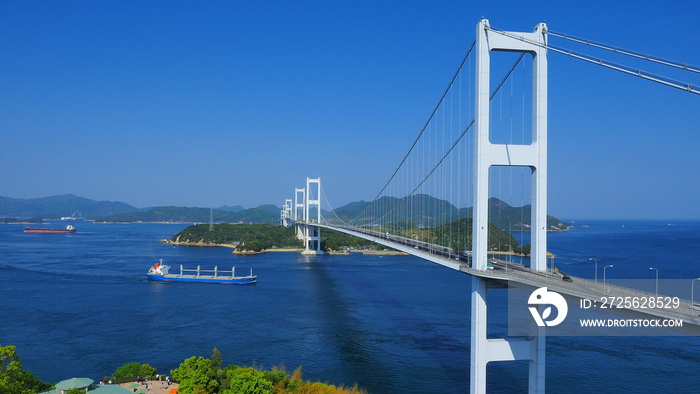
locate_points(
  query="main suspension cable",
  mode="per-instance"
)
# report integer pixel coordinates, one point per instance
(639, 55)
(332, 210)
(430, 118)
(456, 142)
(601, 62)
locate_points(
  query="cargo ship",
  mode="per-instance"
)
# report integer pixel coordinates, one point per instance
(68, 229)
(161, 272)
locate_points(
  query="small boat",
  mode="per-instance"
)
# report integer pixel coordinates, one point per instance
(68, 229)
(161, 272)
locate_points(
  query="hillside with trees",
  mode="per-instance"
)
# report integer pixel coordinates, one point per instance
(426, 211)
(258, 237)
(253, 237)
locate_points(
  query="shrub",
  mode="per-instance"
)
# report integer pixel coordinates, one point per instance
(130, 371)
(248, 381)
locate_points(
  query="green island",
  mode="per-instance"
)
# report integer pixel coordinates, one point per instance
(195, 375)
(253, 238)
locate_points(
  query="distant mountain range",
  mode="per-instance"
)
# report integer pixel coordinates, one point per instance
(54, 207)
(426, 211)
(261, 214)
(421, 210)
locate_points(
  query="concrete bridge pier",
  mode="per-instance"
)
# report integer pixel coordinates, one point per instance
(485, 349)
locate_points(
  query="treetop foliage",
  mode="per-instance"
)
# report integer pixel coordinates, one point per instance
(132, 370)
(15, 380)
(199, 375)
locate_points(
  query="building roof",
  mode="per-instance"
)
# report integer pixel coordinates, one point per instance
(100, 389)
(110, 389)
(79, 383)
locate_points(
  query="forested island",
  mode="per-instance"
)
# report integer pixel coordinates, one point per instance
(260, 237)
(267, 237)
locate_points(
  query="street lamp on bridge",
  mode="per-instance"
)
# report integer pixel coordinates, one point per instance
(605, 289)
(553, 271)
(596, 269)
(657, 280)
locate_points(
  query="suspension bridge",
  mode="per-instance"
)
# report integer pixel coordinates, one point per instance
(486, 138)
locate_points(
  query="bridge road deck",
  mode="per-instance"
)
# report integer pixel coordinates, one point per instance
(512, 272)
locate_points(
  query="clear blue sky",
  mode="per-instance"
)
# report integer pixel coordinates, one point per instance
(228, 102)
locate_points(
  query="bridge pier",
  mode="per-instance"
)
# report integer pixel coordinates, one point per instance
(485, 349)
(313, 240)
(488, 154)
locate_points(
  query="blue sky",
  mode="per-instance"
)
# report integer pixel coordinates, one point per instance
(227, 102)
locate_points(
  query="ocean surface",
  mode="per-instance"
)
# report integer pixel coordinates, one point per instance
(79, 305)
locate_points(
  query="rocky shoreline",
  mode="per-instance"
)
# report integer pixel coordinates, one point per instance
(201, 243)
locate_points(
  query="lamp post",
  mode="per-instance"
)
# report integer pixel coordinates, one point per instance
(596, 269)
(692, 295)
(604, 285)
(553, 265)
(657, 280)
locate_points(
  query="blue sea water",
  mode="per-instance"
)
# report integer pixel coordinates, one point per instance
(79, 305)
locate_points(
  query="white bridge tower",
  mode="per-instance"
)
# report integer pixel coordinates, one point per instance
(286, 214)
(312, 205)
(299, 211)
(487, 154)
(305, 212)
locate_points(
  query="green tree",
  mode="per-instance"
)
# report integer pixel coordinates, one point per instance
(131, 370)
(277, 375)
(248, 381)
(127, 371)
(13, 379)
(216, 358)
(196, 374)
(146, 370)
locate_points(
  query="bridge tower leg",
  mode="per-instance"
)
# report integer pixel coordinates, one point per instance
(487, 154)
(312, 234)
(299, 212)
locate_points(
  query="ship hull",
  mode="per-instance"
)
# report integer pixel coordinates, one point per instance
(238, 280)
(48, 230)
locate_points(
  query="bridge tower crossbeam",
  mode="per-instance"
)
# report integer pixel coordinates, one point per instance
(487, 154)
